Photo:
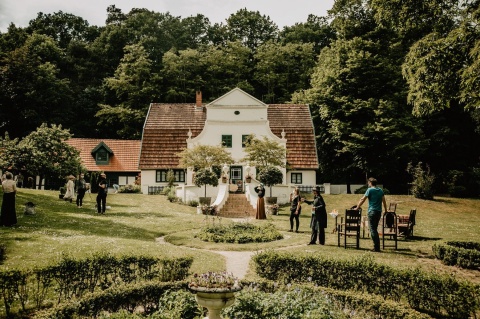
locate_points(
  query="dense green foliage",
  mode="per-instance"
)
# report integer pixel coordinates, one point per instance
(427, 292)
(465, 254)
(72, 278)
(388, 82)
(240, 233)
(264, 299)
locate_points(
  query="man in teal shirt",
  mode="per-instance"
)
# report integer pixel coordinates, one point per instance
(375, 197)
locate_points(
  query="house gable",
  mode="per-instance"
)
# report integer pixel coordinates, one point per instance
(236, 97)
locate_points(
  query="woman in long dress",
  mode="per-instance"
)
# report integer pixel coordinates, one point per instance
(70, 189)
(260, 190)
(8, 215)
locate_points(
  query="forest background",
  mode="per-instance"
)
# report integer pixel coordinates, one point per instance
(389, 82)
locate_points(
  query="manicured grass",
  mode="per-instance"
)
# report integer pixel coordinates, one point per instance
(136, 224)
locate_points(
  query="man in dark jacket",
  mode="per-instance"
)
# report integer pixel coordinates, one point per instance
(102, 194)
(318, 223)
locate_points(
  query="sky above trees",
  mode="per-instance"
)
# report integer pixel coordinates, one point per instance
(281, 12)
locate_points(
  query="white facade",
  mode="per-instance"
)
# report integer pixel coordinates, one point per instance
(236, 114)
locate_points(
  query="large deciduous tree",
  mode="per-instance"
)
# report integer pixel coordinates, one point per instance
(44, 152)
(283, 69)
(204, 157)
(134, 85)
(264, 152)
(316, 31)
(358, 99)
(32, 90)
(442, 72)
(251, 28)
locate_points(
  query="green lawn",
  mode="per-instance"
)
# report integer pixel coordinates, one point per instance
(136, 223)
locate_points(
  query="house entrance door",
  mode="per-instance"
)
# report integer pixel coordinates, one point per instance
(236, 177)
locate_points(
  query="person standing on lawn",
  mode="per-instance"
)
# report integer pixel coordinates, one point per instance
(8, 215)
(375, 197)
(295, 209)
(81, 189)
(318, 223)
(102, 194)
(260, 190)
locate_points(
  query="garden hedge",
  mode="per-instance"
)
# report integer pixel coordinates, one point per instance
(71, 279)
(465, 254)
(427, 292)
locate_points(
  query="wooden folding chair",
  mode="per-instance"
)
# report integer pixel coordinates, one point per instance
(406, 223)
(350, 227)
(389, 228)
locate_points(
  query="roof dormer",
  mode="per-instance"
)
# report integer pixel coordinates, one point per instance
(102, 154)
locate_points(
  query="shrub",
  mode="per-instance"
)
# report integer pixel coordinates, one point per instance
(71, 279)
(264, 299)
(130, 189)
(240, 233)
(458, 253)
(442, 295)
(192, 203)
(422, 184)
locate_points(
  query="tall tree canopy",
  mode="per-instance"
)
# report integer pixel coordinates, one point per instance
(44, 153)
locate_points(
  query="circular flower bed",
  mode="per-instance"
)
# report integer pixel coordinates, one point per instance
(240, 233)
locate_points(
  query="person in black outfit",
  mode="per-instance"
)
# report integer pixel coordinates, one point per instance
(260, 190)
(318, 223)
(81, 189)
(295, 209)
(102, 194)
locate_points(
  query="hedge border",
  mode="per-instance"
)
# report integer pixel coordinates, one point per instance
(146, 295)
(465, 254)
(441, 296)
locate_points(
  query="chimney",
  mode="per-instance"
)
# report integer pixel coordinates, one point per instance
(198, 99)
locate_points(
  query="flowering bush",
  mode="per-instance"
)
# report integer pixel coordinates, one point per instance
(214, 280)
(209, 210)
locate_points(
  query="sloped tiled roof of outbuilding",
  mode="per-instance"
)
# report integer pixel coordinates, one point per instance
(297, 123)
(165, 133)
(167, 126)
(124, 159)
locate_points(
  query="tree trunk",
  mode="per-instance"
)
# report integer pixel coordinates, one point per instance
(349, 188)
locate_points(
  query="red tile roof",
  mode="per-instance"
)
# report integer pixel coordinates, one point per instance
(295, 120)
(124, 159)
(167, 126)
(165, 133)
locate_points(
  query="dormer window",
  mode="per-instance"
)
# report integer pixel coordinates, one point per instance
(102, 154)
(101, 157)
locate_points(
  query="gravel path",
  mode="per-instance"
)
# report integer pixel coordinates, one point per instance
(237, 261)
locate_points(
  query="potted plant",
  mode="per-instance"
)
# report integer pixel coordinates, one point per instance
(205, 177)
(274, 209)
(248, 179)
(214, 291)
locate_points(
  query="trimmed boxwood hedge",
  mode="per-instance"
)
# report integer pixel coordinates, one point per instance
(147, 296)
(439, 295)
(465, 254)
(71, 278)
